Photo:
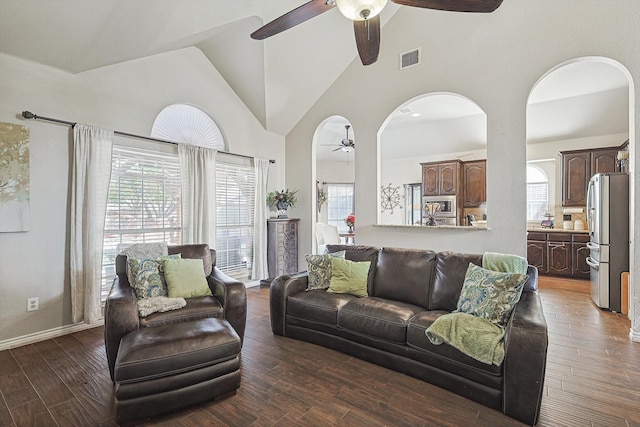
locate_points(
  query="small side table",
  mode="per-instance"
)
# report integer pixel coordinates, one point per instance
(349, 238)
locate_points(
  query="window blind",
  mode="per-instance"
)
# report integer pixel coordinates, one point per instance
(235, 200)
(143, 205)
(339, 204)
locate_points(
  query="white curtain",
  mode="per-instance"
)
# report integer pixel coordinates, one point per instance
(198, 179)
(261, 213)
(91, 173)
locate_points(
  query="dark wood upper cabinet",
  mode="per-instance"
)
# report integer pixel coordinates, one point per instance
(604, 161)
(577, 169)
(576, 172)
(430, 180)
(441, 178)
(474, 177)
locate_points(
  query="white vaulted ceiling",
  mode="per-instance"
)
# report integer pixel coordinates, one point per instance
(278, 79)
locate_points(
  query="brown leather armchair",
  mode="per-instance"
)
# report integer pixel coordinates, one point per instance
(229, 301)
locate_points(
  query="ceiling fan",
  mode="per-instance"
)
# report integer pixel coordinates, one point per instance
(365, 15)
(346, 144)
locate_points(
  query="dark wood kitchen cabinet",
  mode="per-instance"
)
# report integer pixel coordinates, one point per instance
(559, 253)
(441, 178)
(537, 251)
(474, 183)
(579, 253)
(578, 166)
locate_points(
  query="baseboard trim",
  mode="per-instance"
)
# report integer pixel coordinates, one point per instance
(635, 335)
(46, 335)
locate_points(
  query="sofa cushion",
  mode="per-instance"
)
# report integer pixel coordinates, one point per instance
(377, 317)
(450, 271)
(320, 271)
(359, 253)
(404, 275)
(196, 308)
(349, 277)
(160, 352)
(317, 305)
(490, 294)
(195, 251)
(451, 359)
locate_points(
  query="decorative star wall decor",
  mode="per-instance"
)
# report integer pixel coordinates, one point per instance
(390, 198)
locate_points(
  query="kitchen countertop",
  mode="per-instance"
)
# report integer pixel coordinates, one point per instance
(556, 230)
(434, 227)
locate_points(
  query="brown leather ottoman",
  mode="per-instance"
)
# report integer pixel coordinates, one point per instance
(161, 369)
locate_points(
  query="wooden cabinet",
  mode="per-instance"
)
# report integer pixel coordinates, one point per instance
(474, 183)
(282, 246)
(580, 252)
(558, 253)
(577, 169)
(537, 251)
(441, 178)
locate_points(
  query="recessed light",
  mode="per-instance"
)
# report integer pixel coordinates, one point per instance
(416, 115)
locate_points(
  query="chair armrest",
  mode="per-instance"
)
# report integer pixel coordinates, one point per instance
(526, 342)
(281, 287)
(120, 318)
(232, 294)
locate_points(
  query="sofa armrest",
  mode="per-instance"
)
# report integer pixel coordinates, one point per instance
(120, 318)
(526, 342)
(281, 287)
(232, 294)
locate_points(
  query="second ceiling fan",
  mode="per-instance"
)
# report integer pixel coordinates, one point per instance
(365, 15)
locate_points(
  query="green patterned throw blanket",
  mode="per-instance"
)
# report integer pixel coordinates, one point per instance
(505, 263)
(472, 335)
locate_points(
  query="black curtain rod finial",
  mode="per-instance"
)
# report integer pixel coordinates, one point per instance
(29, 115)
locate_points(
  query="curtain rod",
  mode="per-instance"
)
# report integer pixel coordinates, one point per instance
(30, 115)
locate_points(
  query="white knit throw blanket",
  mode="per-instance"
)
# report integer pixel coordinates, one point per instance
(146, 306)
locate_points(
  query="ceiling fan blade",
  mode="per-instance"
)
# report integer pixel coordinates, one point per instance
(339, 148)
(481, 6)
(368, 39)
(291, 19)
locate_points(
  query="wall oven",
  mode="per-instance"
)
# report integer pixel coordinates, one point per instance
(446, 214)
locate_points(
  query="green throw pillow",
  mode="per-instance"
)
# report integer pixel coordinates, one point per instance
(319, 268)
(490, 294)
(185, 278)
(147, 277)
(349, 277)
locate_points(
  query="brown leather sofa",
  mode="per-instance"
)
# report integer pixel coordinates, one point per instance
(408, 290)
(168, 360)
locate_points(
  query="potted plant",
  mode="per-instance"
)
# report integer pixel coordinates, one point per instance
(282, 200)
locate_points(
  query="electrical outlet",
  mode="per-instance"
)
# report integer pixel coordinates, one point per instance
(32, 304)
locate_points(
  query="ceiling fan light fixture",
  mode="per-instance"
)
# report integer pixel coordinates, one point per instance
(360, 10)
(347, 149)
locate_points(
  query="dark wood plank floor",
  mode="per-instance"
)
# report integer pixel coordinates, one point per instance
(593, 379)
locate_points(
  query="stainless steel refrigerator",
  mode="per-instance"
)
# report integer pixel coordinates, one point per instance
(608, 220)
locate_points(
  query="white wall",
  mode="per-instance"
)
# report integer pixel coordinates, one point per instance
(125, 97)
(493, 59)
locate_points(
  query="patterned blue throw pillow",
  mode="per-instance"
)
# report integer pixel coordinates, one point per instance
(319, 268)
(148, 276)
(490, 294)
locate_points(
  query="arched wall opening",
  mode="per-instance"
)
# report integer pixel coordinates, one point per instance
(333, 176)
(582, 104)
(432, 127)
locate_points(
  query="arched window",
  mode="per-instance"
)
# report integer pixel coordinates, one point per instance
(189, 124)
(537, 193)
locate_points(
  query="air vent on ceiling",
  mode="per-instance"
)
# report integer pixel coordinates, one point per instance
(409, 59)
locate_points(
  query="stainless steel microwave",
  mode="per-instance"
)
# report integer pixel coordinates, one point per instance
(447, 206)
